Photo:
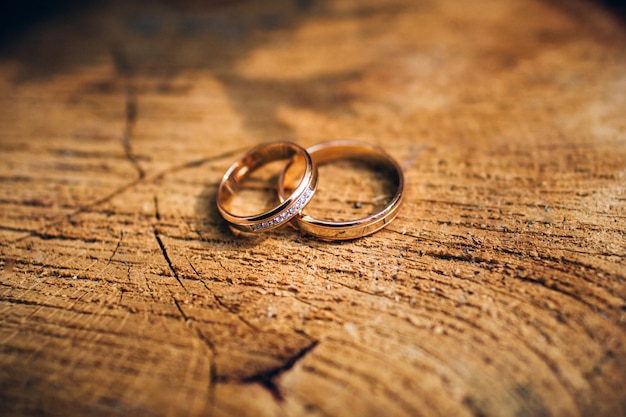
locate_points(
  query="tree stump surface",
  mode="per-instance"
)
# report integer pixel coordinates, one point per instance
(498, 291)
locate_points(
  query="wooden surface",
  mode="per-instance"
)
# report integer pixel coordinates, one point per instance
(498, 291)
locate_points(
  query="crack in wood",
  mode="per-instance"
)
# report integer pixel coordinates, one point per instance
(157, 214)
(267, 379)
(117, 246)
(167, 258)
(180, 310)
(197, 163)
(124, 70)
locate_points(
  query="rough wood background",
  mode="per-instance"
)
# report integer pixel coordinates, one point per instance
(499, 290)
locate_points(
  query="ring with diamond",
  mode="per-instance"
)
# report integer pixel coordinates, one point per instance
(289, 205)
(352, 229)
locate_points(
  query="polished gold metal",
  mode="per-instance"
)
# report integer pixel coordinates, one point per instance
(345, 230)
(288, 207)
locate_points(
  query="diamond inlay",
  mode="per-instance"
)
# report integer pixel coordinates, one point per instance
(285, 215)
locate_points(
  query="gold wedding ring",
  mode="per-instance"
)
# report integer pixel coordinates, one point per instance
(289, 206)
(352, 229)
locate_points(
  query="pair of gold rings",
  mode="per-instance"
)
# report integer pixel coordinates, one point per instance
(297, 185)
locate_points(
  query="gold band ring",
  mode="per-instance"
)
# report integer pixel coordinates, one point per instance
(288, 207)
(344, 230)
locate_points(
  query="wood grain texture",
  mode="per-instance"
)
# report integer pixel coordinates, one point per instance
(498, 291)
